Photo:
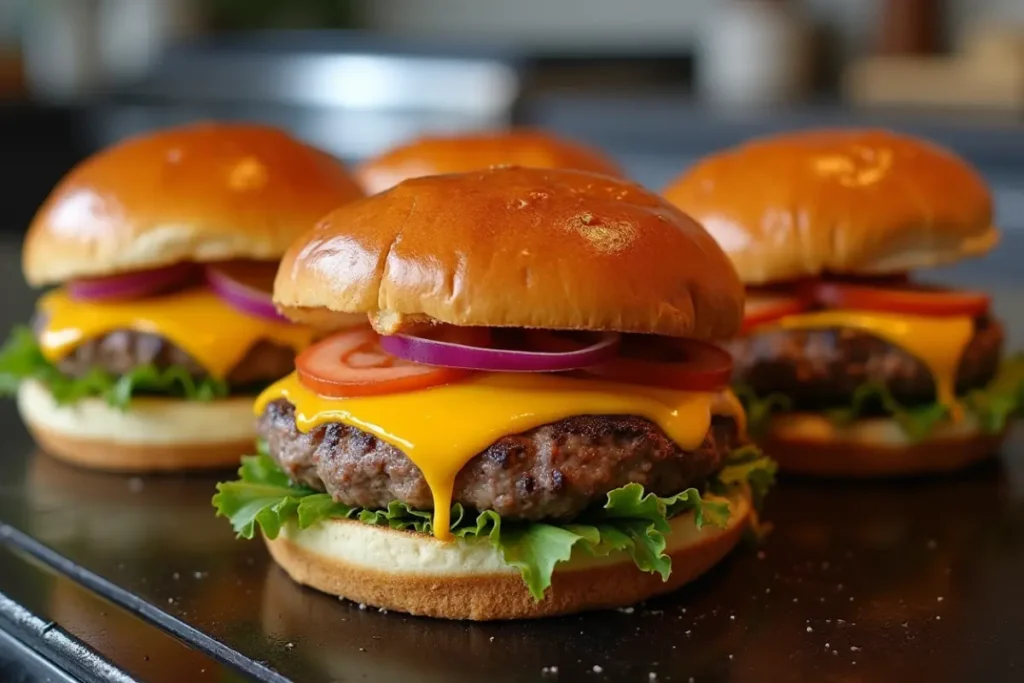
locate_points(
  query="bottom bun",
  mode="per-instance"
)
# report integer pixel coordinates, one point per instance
(468, 579)
(808, 443)
(153, 435)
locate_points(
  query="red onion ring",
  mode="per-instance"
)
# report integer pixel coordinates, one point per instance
(452, 355)
(240, 293)
(133, 285)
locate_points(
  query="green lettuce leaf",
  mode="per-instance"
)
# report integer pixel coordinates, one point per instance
(993, 406)
(916, 421)
(630, 521)
(21, 359)
(749, 466)
(760, 409)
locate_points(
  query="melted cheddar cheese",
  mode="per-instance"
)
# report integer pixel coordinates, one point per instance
(213, 333)
(939, 343)
(441, 428)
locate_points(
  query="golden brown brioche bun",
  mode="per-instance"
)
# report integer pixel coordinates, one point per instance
(438, 155)
(468, 579)
(807, 443)
(205, 192)
(517, 247)
(155, 435)
(839, 201)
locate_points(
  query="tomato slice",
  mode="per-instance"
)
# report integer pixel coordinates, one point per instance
(761, 309)
(684, 364)
(908, 298)
(351, 363)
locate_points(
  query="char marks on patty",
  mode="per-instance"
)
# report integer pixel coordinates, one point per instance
(552, 472)
(820, 369)
(120, 351)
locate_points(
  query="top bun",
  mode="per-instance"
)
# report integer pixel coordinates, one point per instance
(514, 247)
(477, 152)
(205, 192)
(844, 202)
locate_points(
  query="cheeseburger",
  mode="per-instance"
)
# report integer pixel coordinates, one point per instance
(847, 365)
(160, 330)
(437, 155)
(533, 424)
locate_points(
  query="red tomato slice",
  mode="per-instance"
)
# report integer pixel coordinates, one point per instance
(352, 364)
(684, 364)
(760, 309)
(909, 298)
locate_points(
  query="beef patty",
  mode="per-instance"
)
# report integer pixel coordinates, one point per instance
(120, 351)
(820, 369)
(552, 472)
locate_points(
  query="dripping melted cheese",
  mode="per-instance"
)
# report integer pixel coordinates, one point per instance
(939, 343)
(213, 333)
(440, 429)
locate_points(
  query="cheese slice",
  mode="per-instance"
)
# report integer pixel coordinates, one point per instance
(937, 342)
(213, 333)
(442, 428)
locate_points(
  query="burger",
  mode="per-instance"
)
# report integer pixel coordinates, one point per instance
(437, 155)
(848, 366)
(147, 354)
(533, 422)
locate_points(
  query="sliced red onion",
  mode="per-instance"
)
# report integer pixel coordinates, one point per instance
(239, 289)
(133, 285)
(452, 355)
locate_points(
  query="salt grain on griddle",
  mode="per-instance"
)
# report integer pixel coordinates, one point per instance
(597, 669)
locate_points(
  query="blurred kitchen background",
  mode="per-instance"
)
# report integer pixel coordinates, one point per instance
(657, 83)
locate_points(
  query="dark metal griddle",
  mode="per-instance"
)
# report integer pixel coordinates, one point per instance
(104, 576)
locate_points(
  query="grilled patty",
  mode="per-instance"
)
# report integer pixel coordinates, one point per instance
(820, 369)
(552, 472)
(121, 351)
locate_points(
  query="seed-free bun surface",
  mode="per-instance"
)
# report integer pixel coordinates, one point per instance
(806, 443)
(417, 574)
(515, 247)
(156, 435)
(438, 155)
(204, 192)
(844, 201)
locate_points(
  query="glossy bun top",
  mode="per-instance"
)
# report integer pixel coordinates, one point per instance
(514, 247)
(196, 193)
(838, 201)
(437, 155)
